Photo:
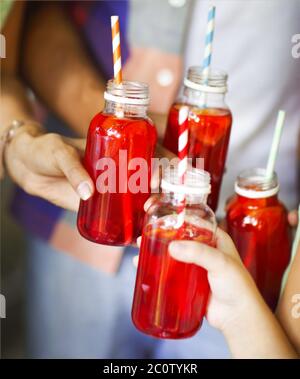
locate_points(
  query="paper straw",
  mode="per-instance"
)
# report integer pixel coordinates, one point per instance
(116, 47)
(275, 144)
(293, 254)
(210, 28)
(183, 156)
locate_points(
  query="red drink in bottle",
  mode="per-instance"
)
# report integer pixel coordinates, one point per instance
(209, 125)
(122, 132)
(170, 296)
(257, 223)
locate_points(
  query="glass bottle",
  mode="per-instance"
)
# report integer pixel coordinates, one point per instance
(257, 223)
(209, 124)
(120, 140)
(170, 297)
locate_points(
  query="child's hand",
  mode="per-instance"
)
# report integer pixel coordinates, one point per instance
(232, 288)
(235, 306)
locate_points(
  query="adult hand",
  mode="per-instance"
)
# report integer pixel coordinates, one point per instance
(49, 166)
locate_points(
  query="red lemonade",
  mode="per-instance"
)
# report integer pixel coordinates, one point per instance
(170, 296)
(115, 217)
(209, 133)
(260, 231)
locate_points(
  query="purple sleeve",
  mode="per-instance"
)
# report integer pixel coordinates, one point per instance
(92, 19)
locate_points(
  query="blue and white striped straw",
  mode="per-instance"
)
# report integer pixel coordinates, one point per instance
(210, 28)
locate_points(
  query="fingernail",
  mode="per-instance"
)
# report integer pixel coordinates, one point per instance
(175, 248)
(84, 190)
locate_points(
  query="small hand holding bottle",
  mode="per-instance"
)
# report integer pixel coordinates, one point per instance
(235, 306)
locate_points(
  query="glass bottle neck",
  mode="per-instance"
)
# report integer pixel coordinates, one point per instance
(125, 110)
(255, 184)
(177, 199)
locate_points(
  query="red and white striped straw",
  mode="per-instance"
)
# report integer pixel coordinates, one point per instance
(116, 47)
(183, 156)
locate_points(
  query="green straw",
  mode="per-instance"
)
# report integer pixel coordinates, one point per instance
(275, 144)
(294, 250)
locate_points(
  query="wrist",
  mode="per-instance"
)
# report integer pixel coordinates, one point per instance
(251, 331)
(257, 334)
(17, 134)
(18, 126)
(29, 127)
(23, 134)
(247, 304)
(242, 318)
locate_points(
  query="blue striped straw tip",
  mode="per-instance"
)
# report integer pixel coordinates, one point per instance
(211, 13)
(206, 61)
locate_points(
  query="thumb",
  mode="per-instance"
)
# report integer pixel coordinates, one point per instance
(68, 161)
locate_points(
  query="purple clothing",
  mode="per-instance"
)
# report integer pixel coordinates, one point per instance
(92, 19)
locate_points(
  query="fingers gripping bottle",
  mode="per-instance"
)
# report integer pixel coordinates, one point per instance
(257, 222)
(209, 124)
(120, 145)
(170, 297)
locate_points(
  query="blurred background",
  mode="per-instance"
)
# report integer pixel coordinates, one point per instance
(258, 87)
(12, 278)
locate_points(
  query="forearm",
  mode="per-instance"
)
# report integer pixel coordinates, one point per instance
(257, 334)
(160, 121)
(14, 101)
(58, 68)
(288, 310)
(14, 106)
